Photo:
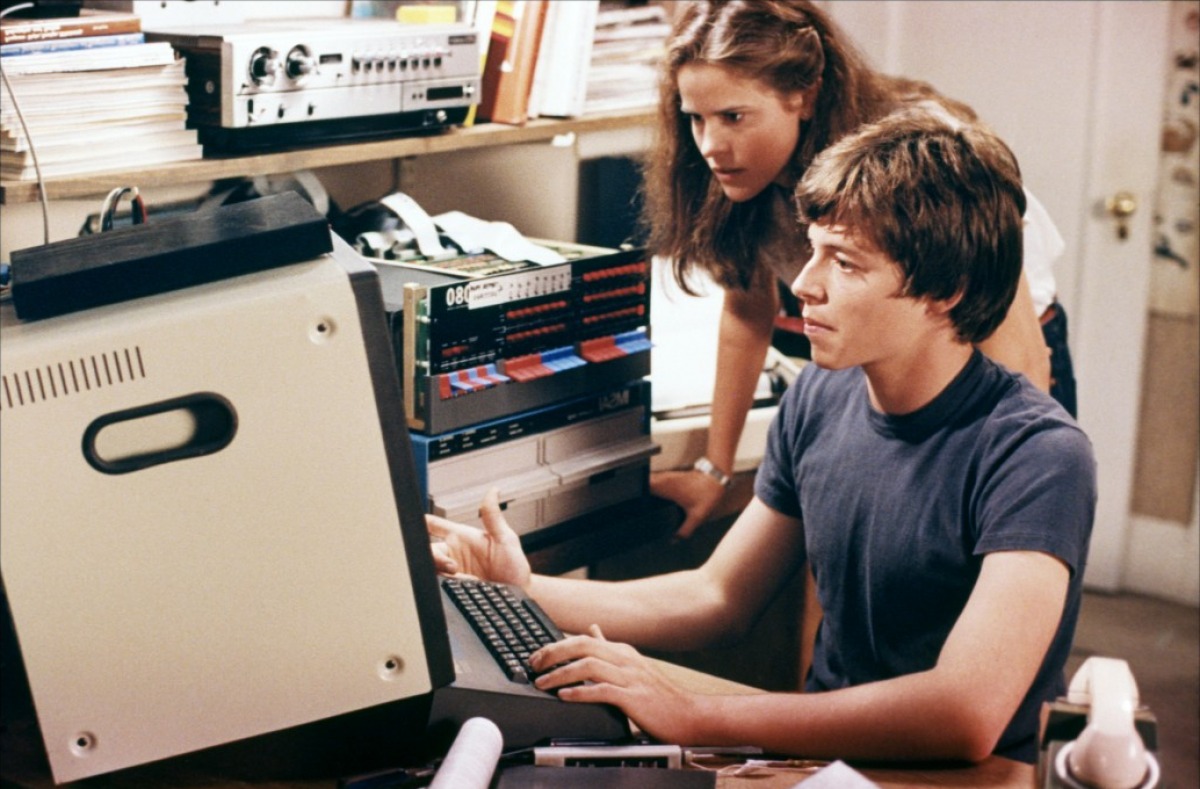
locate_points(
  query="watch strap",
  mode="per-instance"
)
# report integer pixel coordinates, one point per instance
(705, 466)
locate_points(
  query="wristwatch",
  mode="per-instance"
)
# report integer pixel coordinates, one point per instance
(705, 466)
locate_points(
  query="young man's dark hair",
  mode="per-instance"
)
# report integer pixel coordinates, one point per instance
(942, 199)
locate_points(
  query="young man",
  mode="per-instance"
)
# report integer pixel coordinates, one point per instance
(944, 504)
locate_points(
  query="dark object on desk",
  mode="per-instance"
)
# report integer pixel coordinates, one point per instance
(398, 778)
(535, 777)
(133, 262)
(610, 202)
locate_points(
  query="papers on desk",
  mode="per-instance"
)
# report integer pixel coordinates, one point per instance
(839, 775)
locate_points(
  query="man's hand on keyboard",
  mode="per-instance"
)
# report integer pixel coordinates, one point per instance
(591, 668)
(493, 553)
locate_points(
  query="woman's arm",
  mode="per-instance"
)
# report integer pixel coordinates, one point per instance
(747, 318)
(1018, 343)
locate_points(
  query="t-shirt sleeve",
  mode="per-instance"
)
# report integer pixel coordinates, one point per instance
(1038, 493)
(775, 482)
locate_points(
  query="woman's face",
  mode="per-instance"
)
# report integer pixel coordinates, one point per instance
(745, 131)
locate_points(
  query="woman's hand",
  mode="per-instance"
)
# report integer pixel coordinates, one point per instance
(617, 674)
(493, 553)
(698, 494)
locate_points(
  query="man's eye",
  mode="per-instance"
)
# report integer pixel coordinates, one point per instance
(733, 117)
(843, 264)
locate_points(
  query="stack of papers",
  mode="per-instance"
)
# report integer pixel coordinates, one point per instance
(626, 51)
(91, 110)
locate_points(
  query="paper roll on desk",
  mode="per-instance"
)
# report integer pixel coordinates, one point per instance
(472, 758)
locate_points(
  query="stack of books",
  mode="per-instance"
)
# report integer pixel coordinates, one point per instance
(561, 78)
(565, 59)
(512, 53)
(94, 96)
(626, 52)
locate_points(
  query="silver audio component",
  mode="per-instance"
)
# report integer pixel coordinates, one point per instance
(271, 83)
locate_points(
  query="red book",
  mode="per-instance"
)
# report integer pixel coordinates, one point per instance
(90, 22)
(512, 56)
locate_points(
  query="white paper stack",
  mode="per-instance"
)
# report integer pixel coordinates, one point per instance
(626, 51)
(91, 110)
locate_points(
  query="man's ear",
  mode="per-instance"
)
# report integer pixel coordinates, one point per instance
(940, 308)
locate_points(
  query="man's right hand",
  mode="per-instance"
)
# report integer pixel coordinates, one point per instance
(492, 554)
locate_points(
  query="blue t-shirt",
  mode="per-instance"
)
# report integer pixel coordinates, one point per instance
(899, 511)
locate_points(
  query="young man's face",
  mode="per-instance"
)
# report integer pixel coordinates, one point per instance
(744, 130)
(854, 310)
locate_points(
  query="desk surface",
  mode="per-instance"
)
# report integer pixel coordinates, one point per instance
(24, 765)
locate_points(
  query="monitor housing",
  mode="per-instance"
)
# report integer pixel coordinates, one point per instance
(212, 528)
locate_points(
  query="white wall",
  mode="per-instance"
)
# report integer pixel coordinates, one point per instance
(979, 58)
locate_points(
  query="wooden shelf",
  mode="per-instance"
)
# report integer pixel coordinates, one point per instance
(481, 136)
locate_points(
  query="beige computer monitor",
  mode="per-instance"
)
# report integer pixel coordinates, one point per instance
(210, 528)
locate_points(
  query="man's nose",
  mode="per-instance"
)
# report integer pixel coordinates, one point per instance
(806, 285)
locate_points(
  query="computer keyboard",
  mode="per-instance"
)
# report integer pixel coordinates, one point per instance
(511, 625)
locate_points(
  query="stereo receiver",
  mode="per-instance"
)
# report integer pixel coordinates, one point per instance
(269, 84)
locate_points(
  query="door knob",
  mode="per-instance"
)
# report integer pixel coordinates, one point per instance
(1121, 206)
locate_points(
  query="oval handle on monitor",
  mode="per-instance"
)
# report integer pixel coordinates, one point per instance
(149, 435)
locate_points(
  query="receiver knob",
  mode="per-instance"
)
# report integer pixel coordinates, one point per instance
(299, 63)
(264, 65)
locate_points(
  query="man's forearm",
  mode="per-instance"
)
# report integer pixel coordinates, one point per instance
(672, 611)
